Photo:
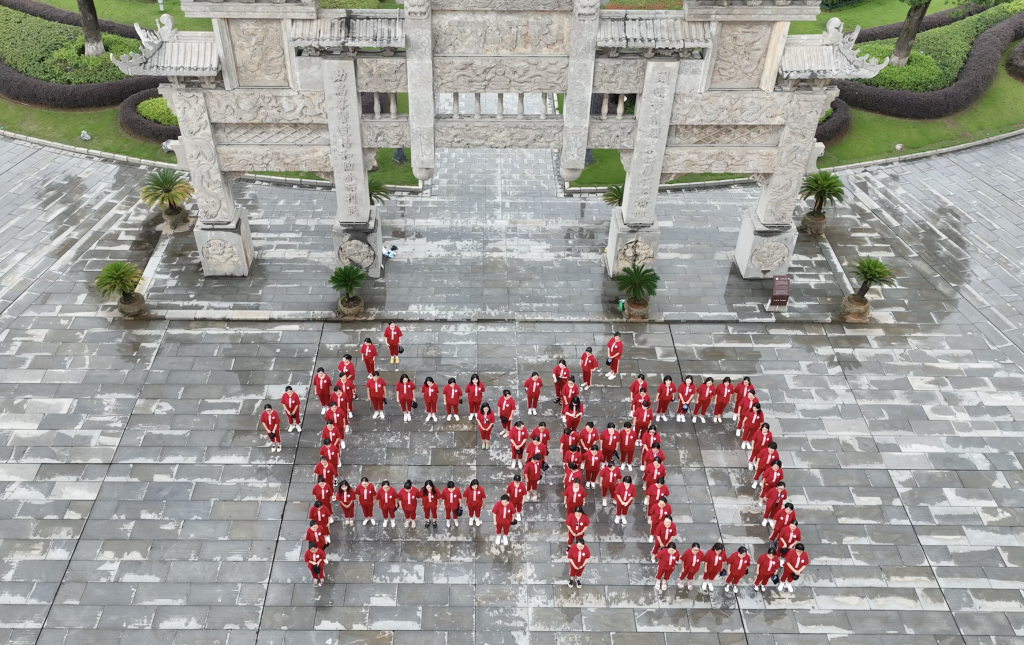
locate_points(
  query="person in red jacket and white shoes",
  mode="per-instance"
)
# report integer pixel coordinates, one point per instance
(322, 388)
(767, 565)
(290, 402)
(736, 566)
(794, 564)
(369, 353)
(393, 339)
(503, 513)
(588, 365)
(667, 560)
(271, 424)
(532, 386)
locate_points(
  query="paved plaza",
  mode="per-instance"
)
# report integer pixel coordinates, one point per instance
(138, 506)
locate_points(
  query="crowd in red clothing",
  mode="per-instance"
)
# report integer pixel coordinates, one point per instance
(590, 459)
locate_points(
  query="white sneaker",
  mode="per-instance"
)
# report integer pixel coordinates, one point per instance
(392, 524)
(623, 520)
(497, 539)
(616, 519)
(764, 522)
(504, 540)
(366, 521)
(604, 502)
(679, 418)
(291, 427)
(650, 538)
(270, 444)
(738, 432)
(782, 586)
(323, 409)
(447, 524)
(373, 522)
(703, 419)
(750, 465)
(456, 417)
(298, 428)
(456, 522)
(754, 485)
(449, 417)
(343, 444)
(350, 415)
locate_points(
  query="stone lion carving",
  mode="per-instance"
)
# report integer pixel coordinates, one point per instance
(416, 8)
(770, 255)
(220, 255)
(358, 253)
(634, 252)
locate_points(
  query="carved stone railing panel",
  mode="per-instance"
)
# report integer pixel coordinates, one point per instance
(619, 75)
(279, 158)
(258, 51)
(495, 74)
(740, 55)
(266, 106)
(386, 134)
(731, 108)
(381, 75)
(501, 34)
(719, 159)
(724, 135)
(504, 5)
(611, 134)
(271, 133)
(506, 133)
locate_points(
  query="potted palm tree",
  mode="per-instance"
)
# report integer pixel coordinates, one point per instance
(638, 283)
(348, 279)
(169, 190)
(826, 188)
(121, 278)
(379, 192)
(870, 271)
(613, 196)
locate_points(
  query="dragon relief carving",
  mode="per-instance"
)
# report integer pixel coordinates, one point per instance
(382, 134)
(505, 5)
(266, 106)
(500, 74)
(381, 75)
(619, 75)
(190, 108)
(734, 108)
(611, 134)
(278, 157)
(464, 134)
(742, 49)
(719, 159)
(221, 255)
(208, 181)
(259, 52)
(490, 33)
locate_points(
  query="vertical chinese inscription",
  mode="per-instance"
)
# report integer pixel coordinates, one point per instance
(343, 110)
(419, 47)
(576, 109)
(649, 148)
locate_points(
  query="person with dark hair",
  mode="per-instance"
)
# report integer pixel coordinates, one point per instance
(714, 560)
(532, 386)
(452, 399)
(568, 392)
(290, 402)
(393, 339)
(742, 409)
(474, 393)
(517, 440)
(609, 442)
(793, 566)
(532, 472)
(320, 514)
(560, 374)
(346, 366)
(751, 424)
(331, 452)
(767, 565)
(474, 496)
(506, 410)
(366, 495)
(773, 502)
(387, 499)
(576, 524)
(685, 395)
(771, 477)
(369, 353)
(322, 388)
(789, 536)
(591, 466)
(705, 394)
(615, 348)
(588, 364)
(723, 396)
(762, 438)
(516, 491)
(429, 391)
(324, 494)
(347, 384)
(332, 433)
(656, 512)
(346, 497)
(575, 495)
(376, 391)
(405, 392)
(663, 533)
(736, 566)
(610, 476)
(315, 558)
(667, 560)
(429, 495)
(452, 497)
(485, 424)
(666, 392)
(271, 424)
(318, 535)
(589, 436)
(573, 413)
(579, 555)
(692, 560)
(741, 395)
(503, 513)
(642, 416)
(627, 444)
(781, 520)
(625, 493)
(325, 469)
(409, 496)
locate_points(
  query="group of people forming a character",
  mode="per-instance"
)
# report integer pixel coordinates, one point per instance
(590, 459)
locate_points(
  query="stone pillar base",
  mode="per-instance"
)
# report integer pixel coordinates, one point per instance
(763, 252)
(360, 244)
(630, 243)
(225, 249)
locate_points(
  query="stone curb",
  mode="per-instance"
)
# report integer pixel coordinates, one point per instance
(322, 316)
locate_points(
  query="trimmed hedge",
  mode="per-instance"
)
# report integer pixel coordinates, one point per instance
(892, 30)
(975, 78)
(25, 89)
(1015, 63)
(156, 109)
(836, 125)
(53, 14)
(138, 125)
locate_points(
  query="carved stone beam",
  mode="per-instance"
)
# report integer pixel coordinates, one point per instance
(419, 47)
(576, 109)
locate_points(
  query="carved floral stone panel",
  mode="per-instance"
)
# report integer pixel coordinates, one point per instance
(385, 134)
(266, 106)
(732, 108)
(259, 53)
(500, 74)
(504, 5)
(611, 134)
(740, 55)
(494, 34)
(465, 133)
(281, 157)
(719, 159)
(619, 75)
(381, 75)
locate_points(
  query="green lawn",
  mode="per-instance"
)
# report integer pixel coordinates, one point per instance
(391, 173)
(869, 13)
(607, 170)
(144, 12)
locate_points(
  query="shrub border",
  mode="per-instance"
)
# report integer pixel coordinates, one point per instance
(53, 14)
(836, 125)
(892, 30)
(1015, 63)
(137, 125)
(974, 79)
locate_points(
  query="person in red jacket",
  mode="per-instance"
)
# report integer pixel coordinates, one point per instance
(667, 560)
(588, 365)
(653, 472)
(474, 393)
(663, 533)
(452, 399)
(714, 560)
(615, 347)
(474, 496)
(781, 521)
(409, 496)
(736, 567)
(430, 496)
(741, 395)
(545, 435)
(579, 555)
(592, 466)
(742, 408)
(532, 472)
(609, 439)
(793, 566)
(393, 339)
(503, 513)
(430, 391)
(666, 392)
(315, 558)
(535, 447)
(484, 424)
(705, 394)
(692, 560)
(575, 495)
(635, 388)
(290, 402)
(346, 366)
(574, 414)
(576, 523)
(752, 422)
(516, 491)
(568, 392)
(346, 497)
(518, 437)
(320, 514)
(762, 462)
(377, 392)
(331, 452)
(627, 444)
(767, 565)
(271, 424)
(369, 353)
(723, 396)
(322, 387)
(366, 495)
(609, 477)
(405, 392)
(387, 500)
(318, 535)
(506, 410)
(625, 493)
(655, 491)
(643, 416)
(589, 436)
(656, 512)
(773, 502)
(325, 469)
(762, 438)
(560, 374)
(348, 394)
(685, 395)
(324, 494)
(532, 386)
(789, 537)
(333, 433)
(771, 477)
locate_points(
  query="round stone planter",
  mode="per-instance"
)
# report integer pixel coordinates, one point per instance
(350, 307)
(637, 309)
(175, 219)
(855, 307)
(133, 307)
(814, 224)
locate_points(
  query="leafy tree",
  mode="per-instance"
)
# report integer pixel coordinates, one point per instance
(824, 187)
(379, 193)
(348, 279)
(168, 189)
(90, 28)
(638, 282)
(872, 271)
(119, 277)
(613, 196)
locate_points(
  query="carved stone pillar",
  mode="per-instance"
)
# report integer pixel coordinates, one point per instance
(222, 232)
(419, 51)
(357, 235)
(576, 108)
(634, 234)
(768, 233)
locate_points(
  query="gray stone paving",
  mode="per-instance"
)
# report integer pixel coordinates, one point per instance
(137, 506)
